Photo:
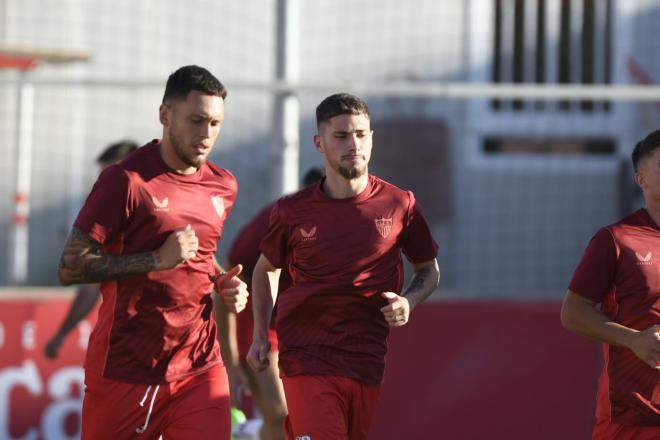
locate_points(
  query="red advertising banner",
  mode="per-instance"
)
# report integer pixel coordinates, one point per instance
(458, 370)
(40, 398)
(496, 370)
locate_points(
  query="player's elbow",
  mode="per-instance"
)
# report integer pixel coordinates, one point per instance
(568, 316)
(63, 276)
(565, 318)
(436, 275)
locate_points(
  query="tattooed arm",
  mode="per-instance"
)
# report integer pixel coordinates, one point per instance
(425, 280)
(83, 262)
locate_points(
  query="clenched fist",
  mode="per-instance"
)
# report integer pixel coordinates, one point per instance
(232, 290)
(397, 312)
(257, 357)
(179, 246)
(646, 346)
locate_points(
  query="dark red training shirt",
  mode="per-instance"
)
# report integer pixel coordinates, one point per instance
(156, 327)
(621, 269)
(342, 254)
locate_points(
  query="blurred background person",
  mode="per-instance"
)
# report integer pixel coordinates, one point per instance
(236, 329)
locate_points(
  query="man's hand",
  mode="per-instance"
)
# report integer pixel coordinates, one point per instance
(257, 356)
(646, 346)
(52, 348)
(231, 289)
(397, 312)
(580, 315)
(179, 246)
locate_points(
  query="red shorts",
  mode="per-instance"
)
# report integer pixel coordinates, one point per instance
(195, 407)
(329, 407)
(606, 430)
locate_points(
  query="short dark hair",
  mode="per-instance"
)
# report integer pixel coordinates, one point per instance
(116, 151)
(313, 175)
(188, 78)
(645, 148)
(340, 104)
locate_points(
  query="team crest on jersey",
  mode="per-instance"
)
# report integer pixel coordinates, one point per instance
(644, 260)
(303, 437)
(308, 235)
(218, 205)
(161, 205)
(384, 226)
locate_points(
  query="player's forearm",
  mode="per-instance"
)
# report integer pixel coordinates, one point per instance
(96, 269)
(264, 294)
(82, 262)
(582, 317)
(424, 281)
(262, 309)
(226, 321)
(82, 304)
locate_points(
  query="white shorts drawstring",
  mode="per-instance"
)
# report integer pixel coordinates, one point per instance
(143, 428)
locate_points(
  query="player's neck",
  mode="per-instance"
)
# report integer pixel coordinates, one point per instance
(171, 159)
(338, 187)
(654, 211)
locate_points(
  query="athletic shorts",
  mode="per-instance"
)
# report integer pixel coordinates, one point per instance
(606, 430)
(328, 408)
(195, 407)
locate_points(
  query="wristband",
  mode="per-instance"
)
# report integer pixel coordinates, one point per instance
(215, 277)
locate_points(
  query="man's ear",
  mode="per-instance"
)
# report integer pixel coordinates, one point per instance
(640, 179)
(164, 114)
(317, 144)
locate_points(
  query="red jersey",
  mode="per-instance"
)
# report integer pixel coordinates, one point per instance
(158, 326)
(621, 269)
(245, 250)
(341, 254)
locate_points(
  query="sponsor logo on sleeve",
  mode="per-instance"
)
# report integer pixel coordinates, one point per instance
(644, 260)
(384, 226)
(308, 235)
(161, 205)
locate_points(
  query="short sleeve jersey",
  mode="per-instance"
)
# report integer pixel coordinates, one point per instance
(342, 254)
(156, 327)
(621, 270)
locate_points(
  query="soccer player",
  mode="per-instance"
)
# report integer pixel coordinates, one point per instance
(341, 241)
(614, 297)
(148, 232)
(87, 294)
(236, 329)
